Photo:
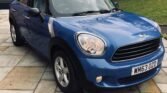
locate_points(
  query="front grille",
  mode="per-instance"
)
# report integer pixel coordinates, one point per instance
(136, 50)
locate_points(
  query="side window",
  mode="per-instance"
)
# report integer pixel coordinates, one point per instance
(41, 5)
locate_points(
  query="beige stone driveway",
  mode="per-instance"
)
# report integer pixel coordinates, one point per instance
(23, 71)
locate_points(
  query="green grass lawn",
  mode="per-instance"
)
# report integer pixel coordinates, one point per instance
(153, 9)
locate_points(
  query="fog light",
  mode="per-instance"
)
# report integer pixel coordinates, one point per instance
(99, 79)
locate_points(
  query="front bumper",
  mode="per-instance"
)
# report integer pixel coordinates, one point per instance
(118, 75)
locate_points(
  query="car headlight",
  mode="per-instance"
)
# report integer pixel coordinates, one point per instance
(91, 44)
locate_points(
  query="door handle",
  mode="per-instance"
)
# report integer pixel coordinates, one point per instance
(27, 17)
(12, 9)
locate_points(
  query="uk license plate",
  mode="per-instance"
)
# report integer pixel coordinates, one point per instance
(144, 68)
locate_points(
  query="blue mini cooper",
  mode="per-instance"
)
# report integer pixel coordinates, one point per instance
(91, 43)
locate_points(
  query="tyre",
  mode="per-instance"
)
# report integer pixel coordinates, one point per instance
(64, 73)
(15, 35)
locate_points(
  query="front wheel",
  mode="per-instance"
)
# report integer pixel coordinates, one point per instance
(15, 35)
(64, 73)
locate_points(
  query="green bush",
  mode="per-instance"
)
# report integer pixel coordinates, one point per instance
(153, 9)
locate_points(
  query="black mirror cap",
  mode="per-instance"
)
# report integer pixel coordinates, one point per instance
(34, 12)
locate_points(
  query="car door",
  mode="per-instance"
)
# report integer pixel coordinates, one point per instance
(38, 28)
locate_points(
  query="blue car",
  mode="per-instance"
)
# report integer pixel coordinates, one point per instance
(91, 44)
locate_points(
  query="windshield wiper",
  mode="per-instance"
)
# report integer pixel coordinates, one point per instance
(105, 11)
(116, 10)
(85, 13)
(90, 12)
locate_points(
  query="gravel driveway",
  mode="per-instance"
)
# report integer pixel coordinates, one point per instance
(23, 71)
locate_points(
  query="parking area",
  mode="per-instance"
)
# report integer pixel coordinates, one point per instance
(23, 71)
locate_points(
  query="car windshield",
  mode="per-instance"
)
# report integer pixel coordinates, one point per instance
(72, 7)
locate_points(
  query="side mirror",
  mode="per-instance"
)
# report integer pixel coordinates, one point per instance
(34, 12)
(116, 4)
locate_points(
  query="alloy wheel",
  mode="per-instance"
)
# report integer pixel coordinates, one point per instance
(13, 33)
(62, 71)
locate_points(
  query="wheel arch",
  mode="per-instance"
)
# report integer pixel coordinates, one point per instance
(11, 18)
(60, 44)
